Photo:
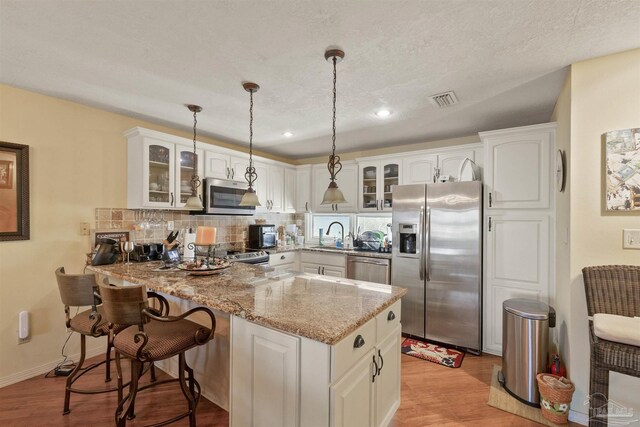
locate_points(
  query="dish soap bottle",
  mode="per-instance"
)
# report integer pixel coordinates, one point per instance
(320, 232)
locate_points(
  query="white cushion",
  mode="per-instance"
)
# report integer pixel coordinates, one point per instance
(622, 329)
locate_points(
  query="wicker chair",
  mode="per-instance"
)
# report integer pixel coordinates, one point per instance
(150, 338)
(612, 289)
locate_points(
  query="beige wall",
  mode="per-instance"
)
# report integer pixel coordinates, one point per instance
(605, 95)
(562, 116)
(78, 162)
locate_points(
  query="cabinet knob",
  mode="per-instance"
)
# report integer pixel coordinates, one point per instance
(391, 316)
(359, 342)
(282, 257)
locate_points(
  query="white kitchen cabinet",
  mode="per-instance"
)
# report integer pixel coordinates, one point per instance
(288, 261)
(159, 169)
(428, 167)
(269, 187)
(376, 179)
(518, 256)
(314, 262)
(223, 165)
(352, 397)
(419, 169)
(347, 181)
(387, 393)
(289, 190)
(303, 189)
(282, 379)
(265, 376)
(517, 167)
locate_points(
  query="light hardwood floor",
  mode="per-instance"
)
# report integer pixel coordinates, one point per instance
(432, 395)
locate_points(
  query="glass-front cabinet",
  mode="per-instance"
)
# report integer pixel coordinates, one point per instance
(159, 185)
(376, 179)
(185, 163)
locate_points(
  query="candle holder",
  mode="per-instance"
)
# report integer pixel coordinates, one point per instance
(206, 251)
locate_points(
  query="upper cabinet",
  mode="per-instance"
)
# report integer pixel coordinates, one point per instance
(290, 190)
(428, 167)
(517, 167)
(347, 180)
(376, 179)
(225, 166)
(303, 201)
(159, 170)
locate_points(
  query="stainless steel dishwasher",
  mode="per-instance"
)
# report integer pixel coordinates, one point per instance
(376, 270)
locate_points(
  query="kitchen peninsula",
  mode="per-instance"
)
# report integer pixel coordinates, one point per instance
(289, 349)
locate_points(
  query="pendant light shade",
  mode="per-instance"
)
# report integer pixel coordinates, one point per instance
(194, 203)
(250, 198)
(333, 195)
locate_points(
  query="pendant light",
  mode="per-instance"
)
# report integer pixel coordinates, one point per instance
(333, 195)
(194, 203)
(250, 198)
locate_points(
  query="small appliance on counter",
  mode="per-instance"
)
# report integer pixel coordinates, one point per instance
(262, 236)
(143, 252)
(107, 252)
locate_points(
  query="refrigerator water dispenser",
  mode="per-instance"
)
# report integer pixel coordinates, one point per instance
(408, 238)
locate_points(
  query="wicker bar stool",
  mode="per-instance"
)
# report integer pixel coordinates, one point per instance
(150, 338)
(610, 289)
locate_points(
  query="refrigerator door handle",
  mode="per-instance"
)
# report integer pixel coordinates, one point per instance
(427, 252)
(422, 259)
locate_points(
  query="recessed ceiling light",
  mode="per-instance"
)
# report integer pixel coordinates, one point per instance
(287, 134)
(383, 114)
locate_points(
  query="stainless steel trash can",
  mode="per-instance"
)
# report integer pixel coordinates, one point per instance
(525, 346)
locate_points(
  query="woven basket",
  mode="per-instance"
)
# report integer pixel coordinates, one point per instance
(555, 401)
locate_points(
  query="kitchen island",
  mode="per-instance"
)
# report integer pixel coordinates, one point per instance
(290, 349)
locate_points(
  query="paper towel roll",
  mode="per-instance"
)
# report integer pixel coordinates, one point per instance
(189, 238)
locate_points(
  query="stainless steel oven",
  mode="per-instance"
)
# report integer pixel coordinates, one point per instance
(222, 197)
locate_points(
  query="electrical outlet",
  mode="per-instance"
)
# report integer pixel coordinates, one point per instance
(84, 228)
(170, 225)
(630, 239)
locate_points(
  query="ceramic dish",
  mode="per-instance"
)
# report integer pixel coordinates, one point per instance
(203, 270)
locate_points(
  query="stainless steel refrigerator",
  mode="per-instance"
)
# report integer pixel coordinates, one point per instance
(437, 256)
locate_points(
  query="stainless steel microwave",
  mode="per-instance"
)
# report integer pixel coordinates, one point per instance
(222, 197)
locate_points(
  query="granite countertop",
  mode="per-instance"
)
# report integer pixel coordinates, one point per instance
(317, 307)
(350, 252)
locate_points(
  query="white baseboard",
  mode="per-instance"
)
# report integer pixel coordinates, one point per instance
(578, 417)
(43, 369)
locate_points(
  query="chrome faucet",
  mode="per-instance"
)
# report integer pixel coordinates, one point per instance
(341, 229)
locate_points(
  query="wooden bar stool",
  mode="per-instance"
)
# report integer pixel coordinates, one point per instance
(81, 290)
(148, 338)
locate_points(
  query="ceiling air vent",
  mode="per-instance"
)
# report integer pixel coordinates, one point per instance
(445, 99)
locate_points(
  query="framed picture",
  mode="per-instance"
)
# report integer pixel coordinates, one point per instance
(14, 191)
(622, 170)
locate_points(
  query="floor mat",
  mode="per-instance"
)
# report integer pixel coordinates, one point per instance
(432, 352)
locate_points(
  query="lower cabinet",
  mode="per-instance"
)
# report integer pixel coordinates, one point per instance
(278, 379)
(265, 371)
(333, 265)
(288, 261)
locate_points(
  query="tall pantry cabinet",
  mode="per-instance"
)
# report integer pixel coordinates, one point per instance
(519, 221)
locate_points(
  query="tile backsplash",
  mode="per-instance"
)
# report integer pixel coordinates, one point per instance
(151, 226)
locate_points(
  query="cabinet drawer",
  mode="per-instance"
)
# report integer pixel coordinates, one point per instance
(321, 258)
(282, 258)
(386, 322)
(345, 353)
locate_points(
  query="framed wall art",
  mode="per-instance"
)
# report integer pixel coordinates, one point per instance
(622, 170)
(14, 191)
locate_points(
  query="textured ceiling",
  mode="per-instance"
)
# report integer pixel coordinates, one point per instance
(505, 60)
